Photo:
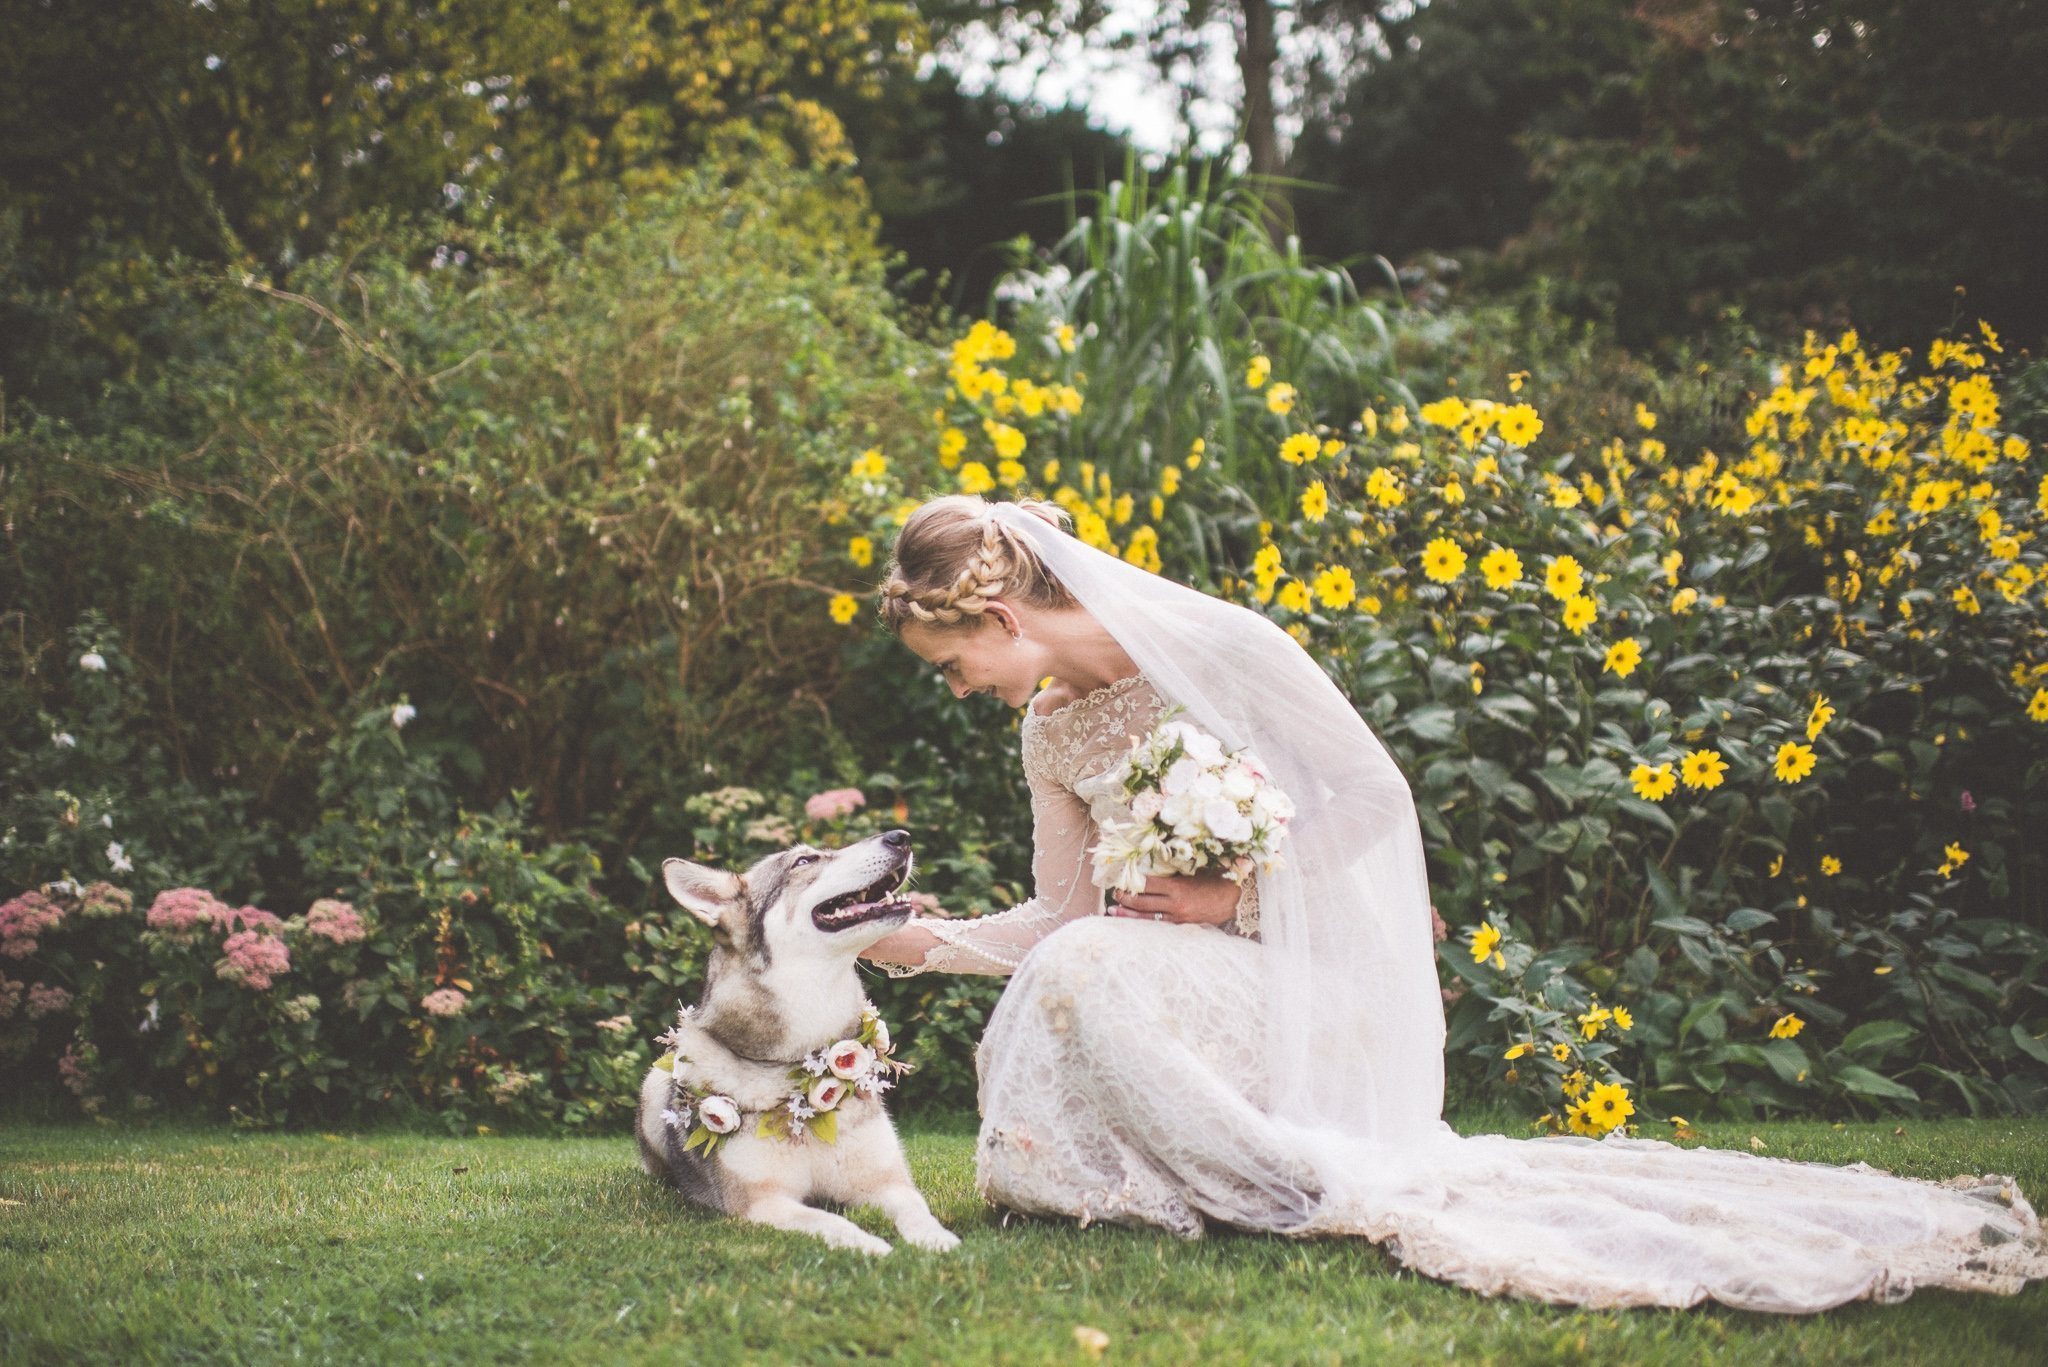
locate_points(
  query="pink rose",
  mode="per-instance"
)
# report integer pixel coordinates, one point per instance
(849, 1058)
(719, 1114)
(834, 803)
(826, 1093)
(444, 1001)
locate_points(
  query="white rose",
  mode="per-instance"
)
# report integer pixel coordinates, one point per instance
(1209, 785)
(1179, 810)
(719, 1114)
(882, 1044)
(1204, 748)
(849, 1058)
(1239, 785)
(92, 662)
(1226, 822)
(1180, 777)
(827, 1092)
(1146, 805)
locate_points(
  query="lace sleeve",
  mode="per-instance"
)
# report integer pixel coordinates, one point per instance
(1061, 836)
(1246, 923)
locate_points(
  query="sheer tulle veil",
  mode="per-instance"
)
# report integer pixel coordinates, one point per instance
(1355, 1023)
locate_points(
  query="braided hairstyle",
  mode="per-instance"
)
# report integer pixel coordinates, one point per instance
(952, 557)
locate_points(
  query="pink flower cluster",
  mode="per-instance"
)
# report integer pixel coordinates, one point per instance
(253, 958)
(71, 1068)
(336, 921)
(181, 913)
(834, 803)
(444, 1001)
(46, 1001)
(10, 996)
(104, 899)
(23, 919)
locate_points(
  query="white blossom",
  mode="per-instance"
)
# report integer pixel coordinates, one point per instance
(92, 662)
(403, 713)
(64, 740)
(118, 858)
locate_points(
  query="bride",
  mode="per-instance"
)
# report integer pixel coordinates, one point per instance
(1274, 1061)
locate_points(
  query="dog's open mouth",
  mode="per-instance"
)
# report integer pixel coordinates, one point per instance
(871, 903)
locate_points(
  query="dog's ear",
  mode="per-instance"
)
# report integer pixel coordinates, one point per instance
(704, 892)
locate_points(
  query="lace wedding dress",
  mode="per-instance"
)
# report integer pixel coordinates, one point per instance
(1123, 1078)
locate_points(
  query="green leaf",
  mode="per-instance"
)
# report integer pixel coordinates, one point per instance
(1863, 1082)
(1662, 892)
(1706, 1018)
(1876, 1037)
(825, 1125)
(1787, 1060)
(1747, 918)
(2032, 1045)
(1434, 722)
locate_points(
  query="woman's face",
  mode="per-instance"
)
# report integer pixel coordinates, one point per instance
(985, 658)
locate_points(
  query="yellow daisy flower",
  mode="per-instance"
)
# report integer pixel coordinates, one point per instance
(861, 551)
(1315, 502)
(1501, 567)
(1703, 769)
(1446, 412)
(1335, 587)
(1793, 763)
(1564, 578)
(1623, 657)
(1786, 1027)
(1829, 866)
(1300, 448)
(843, 607)
(1443, 560)
(1655, 784)
(1258, 372)
(1579, 613)
(1823, 712)
(1294, 596)
(1520, 425)
(1486, 945)
(1609, 1107)
(1280, 398)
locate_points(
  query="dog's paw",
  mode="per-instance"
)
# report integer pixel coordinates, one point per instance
(860, 1241)
(935, 1239)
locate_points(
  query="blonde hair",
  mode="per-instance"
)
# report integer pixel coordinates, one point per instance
(952, 556)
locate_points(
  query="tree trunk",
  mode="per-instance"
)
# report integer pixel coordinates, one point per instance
(1258, 52)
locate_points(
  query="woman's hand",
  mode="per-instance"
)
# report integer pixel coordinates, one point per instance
(1202, 899)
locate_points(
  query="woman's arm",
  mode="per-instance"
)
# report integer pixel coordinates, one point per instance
(1061, 836)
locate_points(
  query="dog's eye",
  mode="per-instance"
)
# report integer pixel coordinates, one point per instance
(802, 860)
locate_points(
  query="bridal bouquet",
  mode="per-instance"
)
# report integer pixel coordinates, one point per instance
(1188, 805)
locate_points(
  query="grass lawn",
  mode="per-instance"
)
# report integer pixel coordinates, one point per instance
(181, 1244)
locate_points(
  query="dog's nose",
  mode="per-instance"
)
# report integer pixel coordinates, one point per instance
(896, 840)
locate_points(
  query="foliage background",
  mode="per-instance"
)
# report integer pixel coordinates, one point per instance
(561, 378)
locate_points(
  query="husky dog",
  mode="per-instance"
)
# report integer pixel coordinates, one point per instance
(779, 992)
